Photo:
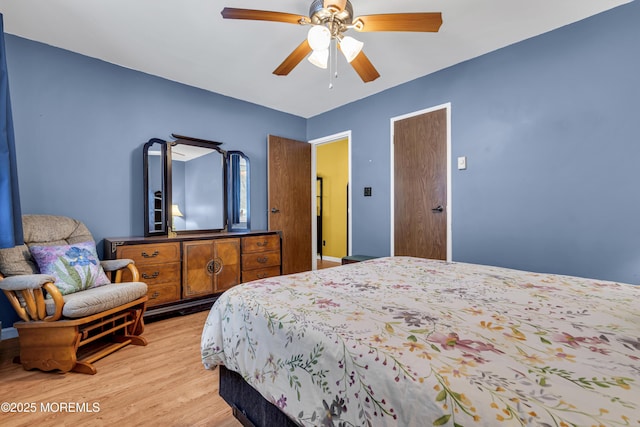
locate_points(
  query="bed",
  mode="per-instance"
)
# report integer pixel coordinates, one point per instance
(403, 341)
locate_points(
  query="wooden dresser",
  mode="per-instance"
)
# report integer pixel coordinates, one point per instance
(188, 272)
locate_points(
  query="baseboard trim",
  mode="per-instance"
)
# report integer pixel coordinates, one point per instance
(331, 258)
(8, 333)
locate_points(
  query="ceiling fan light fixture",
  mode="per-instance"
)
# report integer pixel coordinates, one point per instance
(320, 58)
(350, 47)
(319, 37)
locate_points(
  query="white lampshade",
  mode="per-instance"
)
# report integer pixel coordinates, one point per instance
(175, 211)
(319, 37)
(319, 58)
(350, 47)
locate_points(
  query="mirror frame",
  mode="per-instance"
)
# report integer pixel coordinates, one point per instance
(232, 208)
(166, 175)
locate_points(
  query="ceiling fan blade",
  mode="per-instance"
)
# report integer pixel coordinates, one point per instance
(293, 59)
(420, 22)
(338, 4)
(364, 68)
(263, 15)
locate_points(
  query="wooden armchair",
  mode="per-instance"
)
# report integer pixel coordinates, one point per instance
(69, 329)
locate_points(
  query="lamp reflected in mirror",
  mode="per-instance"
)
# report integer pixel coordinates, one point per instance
(175, 212)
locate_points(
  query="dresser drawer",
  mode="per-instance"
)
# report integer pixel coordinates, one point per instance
(260, 273)
(152, 253)
(163, 293)
(156, 273)
(267, 243)
(260, 260)
(160, 273)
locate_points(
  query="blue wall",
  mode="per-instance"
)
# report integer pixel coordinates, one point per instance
(80, 125)
(550, 127)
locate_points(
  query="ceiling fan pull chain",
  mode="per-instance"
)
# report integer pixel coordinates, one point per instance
(330, 66)
(335, 57)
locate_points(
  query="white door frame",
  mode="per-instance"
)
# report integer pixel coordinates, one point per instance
(447, 107)
(314, 226)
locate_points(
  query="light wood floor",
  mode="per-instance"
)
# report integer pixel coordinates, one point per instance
(162, 384)
(327, 264)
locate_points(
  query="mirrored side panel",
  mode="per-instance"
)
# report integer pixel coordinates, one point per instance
(238, 191)
(155, 185)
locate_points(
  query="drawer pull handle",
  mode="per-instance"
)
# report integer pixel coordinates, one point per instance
(154, 254)
(155, 295)
(261, 275)
(153, 276)
(262, 260)
(262, 244)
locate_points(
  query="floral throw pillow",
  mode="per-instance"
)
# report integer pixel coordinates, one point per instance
(75, 267)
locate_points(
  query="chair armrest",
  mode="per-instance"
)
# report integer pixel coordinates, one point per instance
(25, 281)
(118, 265)
(24, 292)
(115, 264)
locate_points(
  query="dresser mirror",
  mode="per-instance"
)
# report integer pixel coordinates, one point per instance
(187, 186)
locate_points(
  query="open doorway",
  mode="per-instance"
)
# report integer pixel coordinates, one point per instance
(331, 198)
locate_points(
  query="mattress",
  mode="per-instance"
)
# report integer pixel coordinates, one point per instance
(403, 341)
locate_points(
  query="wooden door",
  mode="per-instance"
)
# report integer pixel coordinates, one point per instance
(210, 266)
(197, 278)
(226, 263)
(420, 185)
(289, 200)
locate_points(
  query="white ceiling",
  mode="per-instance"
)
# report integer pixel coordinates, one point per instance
(188, 41)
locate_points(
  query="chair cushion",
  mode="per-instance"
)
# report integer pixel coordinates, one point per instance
(95, 300)
(75, 267)
(41, 230)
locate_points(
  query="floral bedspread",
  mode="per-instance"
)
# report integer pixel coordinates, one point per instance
(413, 342)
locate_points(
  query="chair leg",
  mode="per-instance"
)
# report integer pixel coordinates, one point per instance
(130, 339)
(85, 368)
(85, 365)
(138, 327)
(133, 331)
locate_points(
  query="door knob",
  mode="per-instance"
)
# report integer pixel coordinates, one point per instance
(275, 210)
(438, 209)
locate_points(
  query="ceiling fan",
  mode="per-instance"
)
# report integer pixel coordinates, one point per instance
(329, 20)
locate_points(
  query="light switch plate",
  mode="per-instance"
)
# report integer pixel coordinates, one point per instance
(462, 163)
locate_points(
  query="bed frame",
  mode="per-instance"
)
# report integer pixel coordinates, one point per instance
(248, 406)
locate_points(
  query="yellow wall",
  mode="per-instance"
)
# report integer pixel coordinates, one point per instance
(332, 164)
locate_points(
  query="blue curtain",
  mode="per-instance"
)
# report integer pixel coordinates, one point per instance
(10, 215)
